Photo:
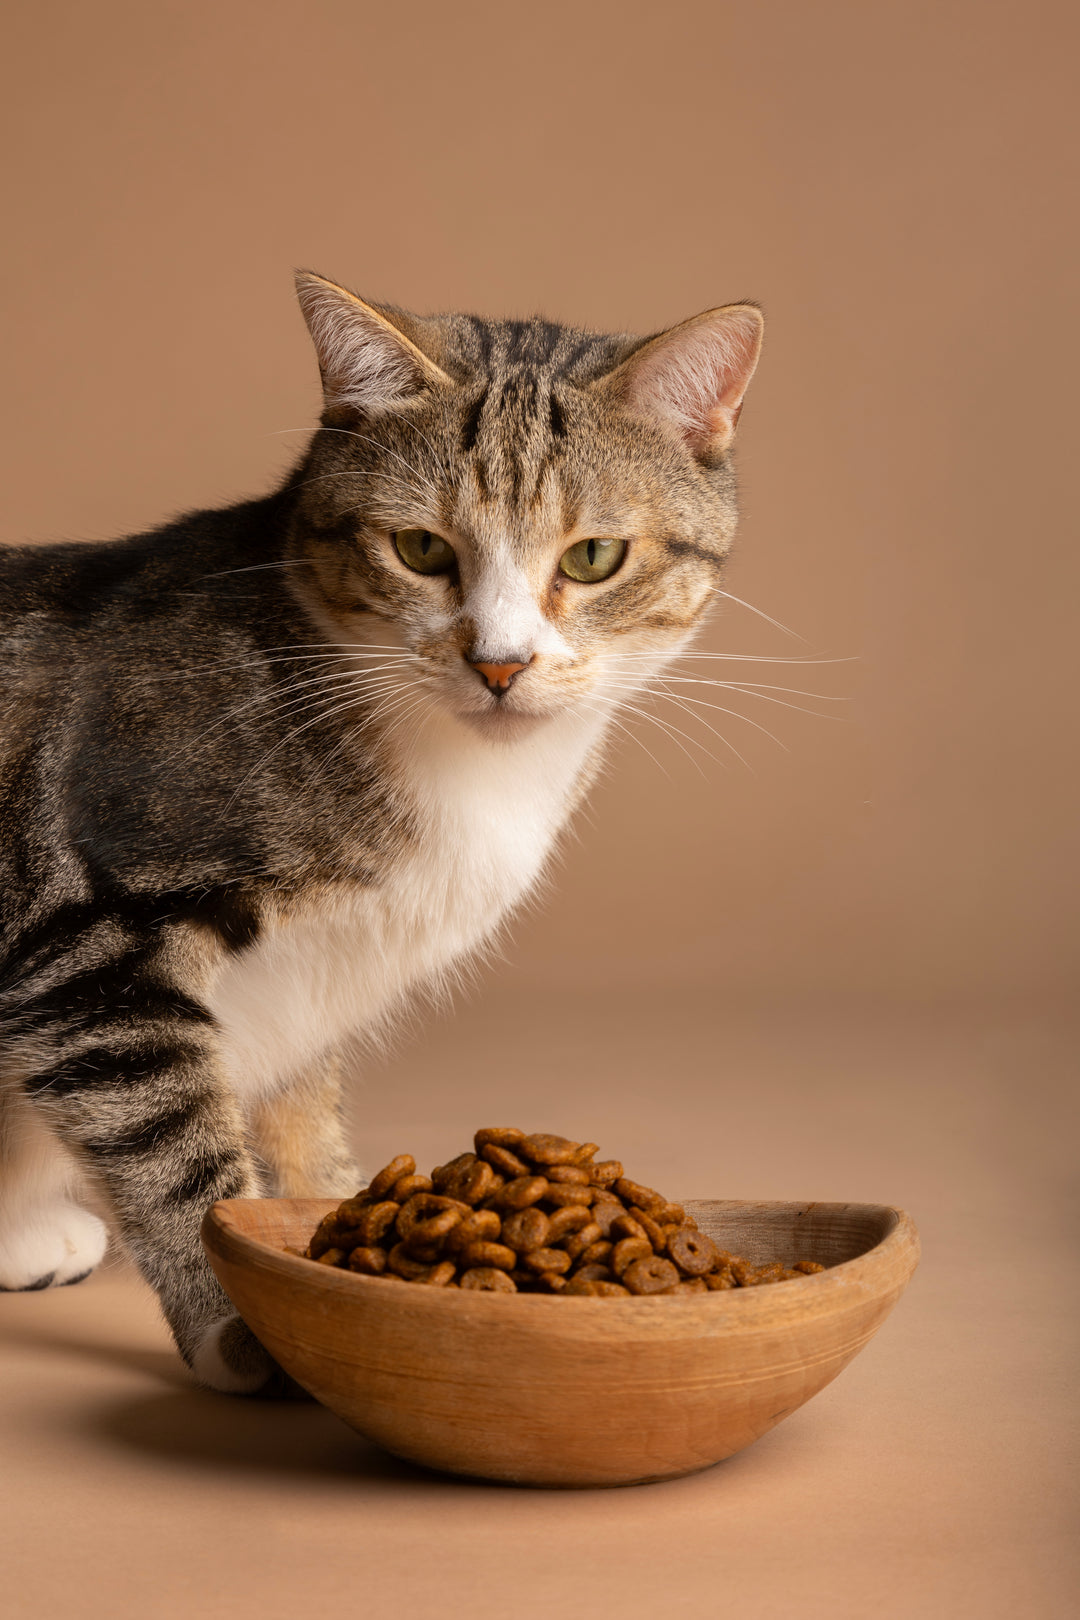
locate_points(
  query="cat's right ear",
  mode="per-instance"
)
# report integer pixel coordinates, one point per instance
(365, 361)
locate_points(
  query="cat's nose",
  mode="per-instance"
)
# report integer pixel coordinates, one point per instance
(498, 676)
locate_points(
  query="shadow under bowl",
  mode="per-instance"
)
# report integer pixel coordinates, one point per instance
(542, 1390)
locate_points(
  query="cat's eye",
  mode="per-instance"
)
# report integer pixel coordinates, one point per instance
(424, 552)
(591, 560)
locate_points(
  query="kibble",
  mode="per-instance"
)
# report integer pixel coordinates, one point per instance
(530, 1214)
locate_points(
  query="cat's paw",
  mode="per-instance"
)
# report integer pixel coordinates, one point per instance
(47, 1245)
(229, 1358)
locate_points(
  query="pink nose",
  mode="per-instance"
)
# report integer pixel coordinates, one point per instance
(498, 676)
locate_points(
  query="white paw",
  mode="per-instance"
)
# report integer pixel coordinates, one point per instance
(230, 1358)
(46, 1245)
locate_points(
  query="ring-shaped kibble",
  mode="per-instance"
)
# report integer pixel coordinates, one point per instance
(809, 1268)
(486, 1280)
(501, 1159)
(693, 1252)
(331, 1257)
(632, 1192)
(605, 1212)
(403, 1264)
(627, 1227)
(438, 1276)
(550, 1282)
(596, 1288)
(717, 1281)
(320, 1242)
(368, 1261)
(652, 1276)
(629, 1250)
(543, 1260)
(672, 1215)
(597, 1254)
(476, 1256)
(595, 1273)
(526, 1229)
(350, 1238)
(523, 1191)
(653, 1231)
(468, 1179)
(478, 1226)
(576, 1244)
(585, 1152)
(606, 1173)
(377, 1220)
(569, 1193)
(570, 1218)
(478, 1183)
(568, 1175)
(422, 1206)
(772, 1272)
(501, 1135)
(428, 1237)
(405, 1187)
(544, 1149)
(380, 1185)
(460, 1162)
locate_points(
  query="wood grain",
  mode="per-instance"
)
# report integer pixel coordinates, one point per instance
(569, 1392)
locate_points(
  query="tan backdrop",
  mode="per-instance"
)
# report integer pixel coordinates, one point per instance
(888, 179)
(835, 963)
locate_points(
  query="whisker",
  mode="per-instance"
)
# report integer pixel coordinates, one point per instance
(258, 663)
(417, 491)
(610, 719)
(297, 731)
(328, 691)
(761, 614)
(753, 686)
(677, 698)
(251, 568)
(737, 658)
(675, 732)
(765, 698)
(285, 702)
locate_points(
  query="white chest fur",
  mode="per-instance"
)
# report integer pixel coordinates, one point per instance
(488, 817)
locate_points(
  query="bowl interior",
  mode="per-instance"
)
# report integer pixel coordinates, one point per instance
(833, 1234)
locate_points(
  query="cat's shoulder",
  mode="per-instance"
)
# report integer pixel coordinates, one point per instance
(87, 576)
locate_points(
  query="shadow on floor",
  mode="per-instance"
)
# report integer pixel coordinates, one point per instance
(163, 1365)
(298, 1440)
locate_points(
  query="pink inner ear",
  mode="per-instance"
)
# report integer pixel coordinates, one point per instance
(694, 378)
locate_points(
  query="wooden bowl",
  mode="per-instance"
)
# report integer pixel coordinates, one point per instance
(540, 1390)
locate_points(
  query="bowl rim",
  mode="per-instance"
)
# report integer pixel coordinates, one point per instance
(884, 1268)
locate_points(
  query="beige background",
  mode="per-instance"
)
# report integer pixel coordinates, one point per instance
(839, 970)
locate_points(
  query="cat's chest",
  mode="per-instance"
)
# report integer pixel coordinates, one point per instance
(483, 831)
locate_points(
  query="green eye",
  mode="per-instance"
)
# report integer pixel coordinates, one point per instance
(424, 552)
(591, 560)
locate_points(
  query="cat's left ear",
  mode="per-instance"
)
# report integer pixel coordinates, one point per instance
(365, 360)
(693, 378)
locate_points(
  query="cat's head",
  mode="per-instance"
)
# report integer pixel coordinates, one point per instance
(536, 515)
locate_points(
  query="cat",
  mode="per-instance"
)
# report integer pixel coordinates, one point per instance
(267, 771)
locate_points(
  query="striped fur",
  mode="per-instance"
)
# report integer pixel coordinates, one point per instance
(254, 794)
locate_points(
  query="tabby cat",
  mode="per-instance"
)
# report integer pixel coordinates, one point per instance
(268, 770)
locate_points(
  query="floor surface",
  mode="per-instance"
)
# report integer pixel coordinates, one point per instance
(930, 1479)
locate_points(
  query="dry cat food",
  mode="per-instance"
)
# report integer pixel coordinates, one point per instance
(530, 1214)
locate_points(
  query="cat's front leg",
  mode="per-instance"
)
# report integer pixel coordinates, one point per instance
(299, 1134)
(134, 1093)
(47, 1237)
